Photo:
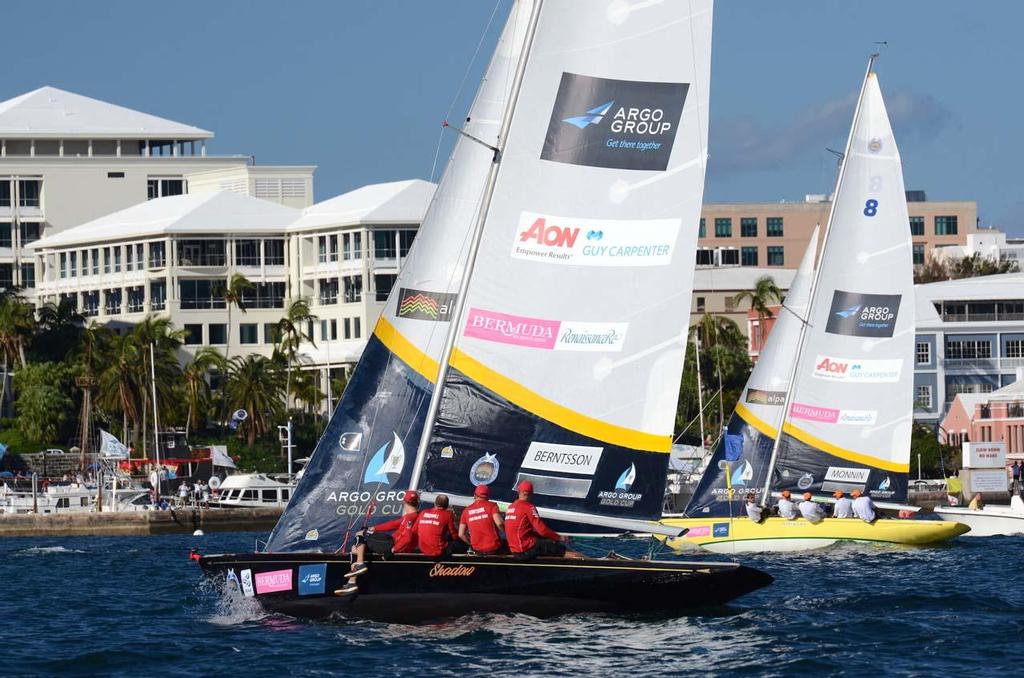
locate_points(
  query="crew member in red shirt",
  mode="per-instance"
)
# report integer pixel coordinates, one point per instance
(435, 530)
(481, 524)
(528, 536)
(374, 540)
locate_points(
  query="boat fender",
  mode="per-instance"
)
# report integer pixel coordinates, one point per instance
(197, 533)
(214, 483)
(193, 554)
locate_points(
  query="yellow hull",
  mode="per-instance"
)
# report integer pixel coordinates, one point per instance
(738, 535)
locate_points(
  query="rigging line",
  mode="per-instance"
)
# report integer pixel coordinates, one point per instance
(462, 84)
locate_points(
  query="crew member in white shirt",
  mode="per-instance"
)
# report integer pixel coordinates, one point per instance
(810, 509)
(863, 507)
(787, 509)
(754, 510)
(843, 507)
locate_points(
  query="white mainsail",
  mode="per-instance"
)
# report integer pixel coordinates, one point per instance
(850, 409)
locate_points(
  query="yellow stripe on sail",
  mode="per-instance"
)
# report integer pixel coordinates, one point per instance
(412, 356)
(555, 413)
(805, 437)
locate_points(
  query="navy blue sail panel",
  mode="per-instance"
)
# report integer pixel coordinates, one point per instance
(480, 438)
(802, 467)
(741, 459)
(363, 463)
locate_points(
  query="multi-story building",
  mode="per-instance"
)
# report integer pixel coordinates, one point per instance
(970, 339)
(715, 290)
(996, 417)
(66, 159)
(776, 234)
(988, 243)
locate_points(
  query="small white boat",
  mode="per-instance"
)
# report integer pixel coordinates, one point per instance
(251, 490)
(70, 498)
(988, 521)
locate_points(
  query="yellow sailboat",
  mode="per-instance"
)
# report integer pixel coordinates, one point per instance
(829, 405)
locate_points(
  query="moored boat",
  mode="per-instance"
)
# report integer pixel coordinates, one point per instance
(988, 521)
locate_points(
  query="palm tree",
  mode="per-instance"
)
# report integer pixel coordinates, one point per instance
(764, 295)
(255, 384)
(197, 387)
(59, 329)
(17, 325)
(291, 334)
(305, 389)
(233, 294)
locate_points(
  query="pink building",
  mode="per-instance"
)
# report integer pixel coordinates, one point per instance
(987, 417)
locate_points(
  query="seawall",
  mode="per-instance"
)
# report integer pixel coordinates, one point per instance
(182, 521)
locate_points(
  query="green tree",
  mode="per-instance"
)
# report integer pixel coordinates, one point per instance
(256, 384)
(764, 295)
(195, 376)
(233, 294)
(724, 369)
(58, 330)
(43, 399)
(937, 269)
(291, 333)
(17, 325)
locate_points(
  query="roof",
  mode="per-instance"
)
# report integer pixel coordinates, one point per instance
(392, 202)
(732, 278)
(207, 213)
(982, 288)
(49, 112)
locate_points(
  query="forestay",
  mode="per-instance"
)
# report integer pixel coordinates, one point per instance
(850, 412)
(741, 459)
(568, 359)
(364, 460)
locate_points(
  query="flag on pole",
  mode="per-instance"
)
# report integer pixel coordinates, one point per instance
(219, 454)
(3, 450)
(110, 446)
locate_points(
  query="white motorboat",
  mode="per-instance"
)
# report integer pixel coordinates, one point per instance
(70, 498)
(251, 490)
(988, 521)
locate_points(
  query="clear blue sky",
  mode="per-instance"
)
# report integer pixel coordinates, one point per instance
(359, 87)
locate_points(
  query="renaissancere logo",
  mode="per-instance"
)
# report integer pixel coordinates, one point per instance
(831, 415)
(556, 335)
(595, 242)
(860, 371)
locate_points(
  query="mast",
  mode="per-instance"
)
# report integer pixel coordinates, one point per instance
(156, 423)
(700, 388)
(477, 233)
(814, 286)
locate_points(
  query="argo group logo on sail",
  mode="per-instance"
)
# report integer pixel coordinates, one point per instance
(595, 242)
(621, 124)
(863, 315)
(557, 335)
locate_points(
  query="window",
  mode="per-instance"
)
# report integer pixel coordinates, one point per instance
(73, 264)
(968, 349)
(6, 239)
(248, 333)
(202, 253)
(95, 258)
(247, 252)
(196, 294)
(730, 304)
(773, 227)
(384, 245)
(28, 276)
(264, 295)
(748, 256)
(117, 259)
(136, 299)
(5, 192)
(353, 288)
(28, 230)
(356, 326)
(332, 248)
(383, 282)
(352, 246)
(106, 260)
(702, 230)
(90, 304)
(776, 257)
(63, 264)
(705, 256)
(328, 330)
(157, 255)
(129, 258)
(348, 328)
(158, 295)
(917, 252)
(273, 252)
(328, 291)
(140, 257)
(270, 333)
(405, 239)
(723, 227)
(924, 353)
(924, 397)
(728, 256)
(112, 300)
(945, 225)
(6, 276)
(1014, 348)
(29, 191)
(70, 299)
(321, 249)
(193, 335)
(218, 333)
(157, 187)
(748, 227)
(701, 304)
(916, 225)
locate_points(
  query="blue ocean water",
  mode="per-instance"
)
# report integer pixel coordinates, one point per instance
(134, 606)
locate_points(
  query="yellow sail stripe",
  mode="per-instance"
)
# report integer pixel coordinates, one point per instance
(519, 395)
(412, 356)
(813, 441)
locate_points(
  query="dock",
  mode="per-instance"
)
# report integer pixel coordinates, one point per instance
(136, 523)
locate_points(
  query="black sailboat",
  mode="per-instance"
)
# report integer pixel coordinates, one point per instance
(536, 332)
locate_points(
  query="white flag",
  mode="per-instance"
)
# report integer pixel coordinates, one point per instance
(219, 454)
(110, 446)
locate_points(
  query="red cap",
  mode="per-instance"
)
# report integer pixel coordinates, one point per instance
(481, 491)
(525, 486)
(411, 497)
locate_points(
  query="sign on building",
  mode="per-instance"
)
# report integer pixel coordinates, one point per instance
(988, 481)
(985, 455)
